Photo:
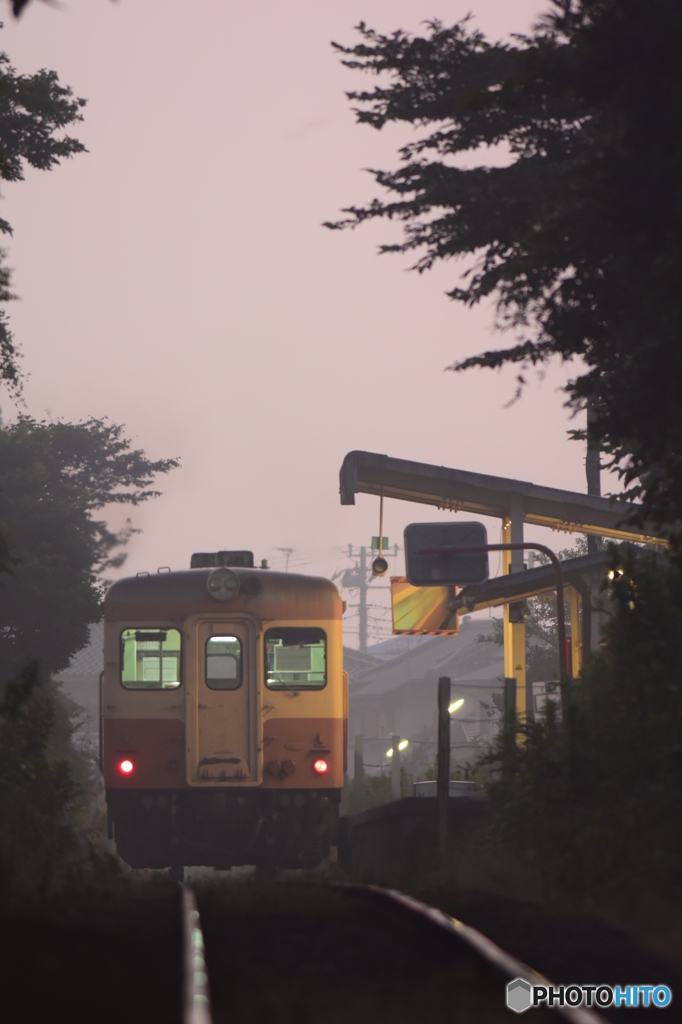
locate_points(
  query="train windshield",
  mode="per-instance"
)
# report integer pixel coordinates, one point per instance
(223, 663)
(150, 659)
(295, 658)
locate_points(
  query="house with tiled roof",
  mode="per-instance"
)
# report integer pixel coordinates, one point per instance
(399, 695)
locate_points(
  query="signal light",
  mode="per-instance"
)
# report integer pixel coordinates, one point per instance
(320, 766)
(379, 566)
(125, 767)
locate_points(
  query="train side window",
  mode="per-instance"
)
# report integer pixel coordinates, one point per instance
(295, 658)
(150, 659)
(223, 663)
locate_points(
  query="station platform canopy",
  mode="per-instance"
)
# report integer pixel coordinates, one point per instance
(457, 490)
(520, 586)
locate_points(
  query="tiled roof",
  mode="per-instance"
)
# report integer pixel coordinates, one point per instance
(396, 645)
(357, 662)
(462, 657)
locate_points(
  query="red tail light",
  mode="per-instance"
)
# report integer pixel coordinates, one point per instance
(125, 766)
(320, 766)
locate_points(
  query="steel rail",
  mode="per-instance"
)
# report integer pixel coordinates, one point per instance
(491, 952)
(196, 1003)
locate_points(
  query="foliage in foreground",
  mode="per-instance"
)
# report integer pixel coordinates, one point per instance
(376, 790)
(593, 804)
(566, 210)
(56, 476)
(39, 797)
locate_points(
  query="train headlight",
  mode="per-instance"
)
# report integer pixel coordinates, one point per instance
(321, 767)
(222, 584)
(126, 766)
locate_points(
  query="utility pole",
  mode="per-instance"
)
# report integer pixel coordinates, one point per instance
(360, 577)
(443, 763)
(395, 768)
(362, 608)
(359, 765)
(288, 552)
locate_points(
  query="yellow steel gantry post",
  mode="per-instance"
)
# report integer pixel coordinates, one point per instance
(574, 603)
(514, 631)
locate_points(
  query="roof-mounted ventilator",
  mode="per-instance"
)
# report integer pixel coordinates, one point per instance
(224, 559)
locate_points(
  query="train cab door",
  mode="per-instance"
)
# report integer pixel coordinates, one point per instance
(221, 735)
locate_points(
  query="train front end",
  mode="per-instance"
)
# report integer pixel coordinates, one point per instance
(223, 716)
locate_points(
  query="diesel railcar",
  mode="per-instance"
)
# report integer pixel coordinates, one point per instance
(223, 715)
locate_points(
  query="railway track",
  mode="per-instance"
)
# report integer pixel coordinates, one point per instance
(290, 952)
(316, 954)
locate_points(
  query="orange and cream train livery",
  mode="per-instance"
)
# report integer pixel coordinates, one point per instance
(223, 715)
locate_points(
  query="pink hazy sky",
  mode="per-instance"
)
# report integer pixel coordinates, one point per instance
(176, 278)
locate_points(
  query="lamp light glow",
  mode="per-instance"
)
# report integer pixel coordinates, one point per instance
(321, 767)
(401, 746)
(456, 705)
(126, 766)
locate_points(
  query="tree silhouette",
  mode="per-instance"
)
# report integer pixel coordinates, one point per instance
(577, 235)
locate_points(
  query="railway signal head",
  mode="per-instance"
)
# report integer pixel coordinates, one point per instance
(432, 558)
(379, 566)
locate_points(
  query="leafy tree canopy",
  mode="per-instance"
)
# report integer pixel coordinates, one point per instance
(55, 477)
(592, 803)
(578, 236)
(35, 110)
